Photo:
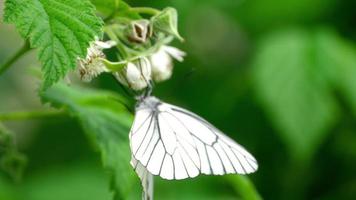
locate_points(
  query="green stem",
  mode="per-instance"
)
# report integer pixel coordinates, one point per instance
(145, 10)
(24, 115)
(114, 66)
(113, 13)
(24, 49)
(119, 45)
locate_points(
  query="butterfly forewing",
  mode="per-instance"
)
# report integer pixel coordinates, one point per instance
(176, 144)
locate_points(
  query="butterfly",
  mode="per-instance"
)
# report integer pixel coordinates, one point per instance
(174, 143)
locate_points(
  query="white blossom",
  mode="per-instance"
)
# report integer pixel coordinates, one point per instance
(162, 62)
(92, 65)
(136, 75)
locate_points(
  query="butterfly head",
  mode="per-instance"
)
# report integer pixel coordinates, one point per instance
(148, 102)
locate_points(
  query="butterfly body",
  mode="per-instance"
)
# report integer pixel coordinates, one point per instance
(149, 102)
(174, 143)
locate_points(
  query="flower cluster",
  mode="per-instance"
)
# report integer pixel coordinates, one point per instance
(142, 51)
(135, 74)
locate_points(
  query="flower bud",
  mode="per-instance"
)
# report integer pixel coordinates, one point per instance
(140, 31)
(92, 65)
(136, 75)
(167, 22)
(162, 62)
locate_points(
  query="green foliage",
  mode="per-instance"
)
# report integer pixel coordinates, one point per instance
(105, 7)
(11, 160)
(260, 14)
(303, 78)
(296, 73)
(79, 182)
(60, 29)
(112, 8)
(106, 121)
(337, 56)
(244, 187)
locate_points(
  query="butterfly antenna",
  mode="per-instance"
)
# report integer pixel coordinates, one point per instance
(149, 89)
(149, 83)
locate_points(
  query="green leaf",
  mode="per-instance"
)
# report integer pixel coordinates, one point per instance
(60, 29)
(8, 190)
(338, 59)
(243, 186)
(107, 122)
(74, 181)
(292, 86)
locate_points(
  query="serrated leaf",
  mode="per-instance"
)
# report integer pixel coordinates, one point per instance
(294, 91)
(107, 122)
(60, 29)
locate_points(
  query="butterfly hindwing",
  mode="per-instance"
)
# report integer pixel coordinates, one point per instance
(146, 179)
(176, 144)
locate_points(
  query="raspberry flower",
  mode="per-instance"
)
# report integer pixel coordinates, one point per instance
(162, 62)
(92, 65)
(136, 75)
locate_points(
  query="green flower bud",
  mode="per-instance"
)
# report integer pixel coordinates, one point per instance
(167, 22)
(139, 31)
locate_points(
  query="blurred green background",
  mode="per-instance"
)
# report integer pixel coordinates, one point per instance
(277, 76)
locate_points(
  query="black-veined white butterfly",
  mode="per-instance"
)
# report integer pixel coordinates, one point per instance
(174, 143)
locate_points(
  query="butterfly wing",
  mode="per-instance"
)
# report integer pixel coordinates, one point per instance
(146, 179)
(176, 144)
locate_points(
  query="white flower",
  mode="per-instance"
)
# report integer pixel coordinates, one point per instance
(92, 65)
(136, 75)
(162, 62)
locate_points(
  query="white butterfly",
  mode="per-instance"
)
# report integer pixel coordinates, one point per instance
(174, 143)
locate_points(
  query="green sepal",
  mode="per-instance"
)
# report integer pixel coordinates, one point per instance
(167, 22)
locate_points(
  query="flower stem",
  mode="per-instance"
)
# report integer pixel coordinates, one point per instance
(145, 10)
(114, 66)
(25, 115)
(120, 47)
(24, 49)
(112, 15)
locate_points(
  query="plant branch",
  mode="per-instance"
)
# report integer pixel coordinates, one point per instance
(120, 47)
(25, 115)
(145, 10)
(24, 49)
